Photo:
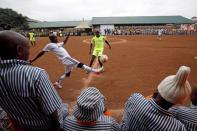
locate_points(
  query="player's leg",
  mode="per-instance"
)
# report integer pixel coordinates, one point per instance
(63, 77)
(92, 60)
(99, 60)
(88, 69)
(94, 55)
(34, 41)
(31, 42)
(100, 53)
(67, 74)
(159, 36)
(73, 63)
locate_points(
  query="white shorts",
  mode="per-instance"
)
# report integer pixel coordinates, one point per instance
(159, 34)
(69, 64)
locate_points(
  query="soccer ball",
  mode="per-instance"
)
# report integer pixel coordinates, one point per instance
(104, 58)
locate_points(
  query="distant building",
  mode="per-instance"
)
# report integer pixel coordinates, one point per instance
(102, 23)
(194, 19)
(58, 25)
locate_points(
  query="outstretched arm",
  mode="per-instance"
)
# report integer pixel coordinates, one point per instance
(108, 44)
(39, 55)
(90, 48)
(65, 41)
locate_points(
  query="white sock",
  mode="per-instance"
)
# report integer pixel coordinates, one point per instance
(61, 78)
(87, 68)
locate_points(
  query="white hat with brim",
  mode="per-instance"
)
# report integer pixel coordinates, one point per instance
(89, 105)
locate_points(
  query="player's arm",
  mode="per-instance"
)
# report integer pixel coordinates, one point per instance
(90, 48)
(108, 44)
(39, 55)
(65, 41)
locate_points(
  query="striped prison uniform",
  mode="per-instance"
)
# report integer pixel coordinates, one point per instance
(104, 123)
(27, 95)
(188, 116)
(143, 114)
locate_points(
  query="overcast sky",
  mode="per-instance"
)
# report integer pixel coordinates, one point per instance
(68, 10)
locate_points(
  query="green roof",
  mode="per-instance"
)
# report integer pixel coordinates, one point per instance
(141, 20)
(58, 24)
(117, 21)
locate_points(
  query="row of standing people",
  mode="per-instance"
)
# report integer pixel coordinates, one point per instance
(139, 31)
(35, 104)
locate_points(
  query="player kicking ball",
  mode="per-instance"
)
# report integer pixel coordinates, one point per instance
(62, 54)
(98, 40)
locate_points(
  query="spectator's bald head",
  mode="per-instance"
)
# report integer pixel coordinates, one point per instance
(13, 46)
(194, 96)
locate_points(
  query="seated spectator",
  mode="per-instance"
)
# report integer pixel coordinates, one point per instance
(88, 114)
(188, 116)
(152, 114)
(26, 93)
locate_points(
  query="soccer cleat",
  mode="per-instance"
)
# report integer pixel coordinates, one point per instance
(57, 85)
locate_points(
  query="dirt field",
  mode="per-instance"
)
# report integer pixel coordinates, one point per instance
(136, 64)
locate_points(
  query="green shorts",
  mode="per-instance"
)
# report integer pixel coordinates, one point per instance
(33, 39)
(98, 52)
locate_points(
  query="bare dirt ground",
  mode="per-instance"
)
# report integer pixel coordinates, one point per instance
(137, 64)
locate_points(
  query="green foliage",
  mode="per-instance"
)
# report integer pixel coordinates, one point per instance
(11, 19)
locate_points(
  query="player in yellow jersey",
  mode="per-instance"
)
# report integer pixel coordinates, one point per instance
(32, 38)
(98, 42)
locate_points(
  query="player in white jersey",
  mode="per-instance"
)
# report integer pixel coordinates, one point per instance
(62, 54)
(159, 34)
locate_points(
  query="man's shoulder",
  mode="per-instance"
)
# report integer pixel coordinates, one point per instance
(30, 68)
(94, 37)
(106, 119)
(180, 109)
(50, 45)
(137, 96)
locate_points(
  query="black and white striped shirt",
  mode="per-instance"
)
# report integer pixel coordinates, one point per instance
(27, 94)
(143, 114)
(188, 116)
(104, 123)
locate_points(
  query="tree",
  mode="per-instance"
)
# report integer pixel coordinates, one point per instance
(11, 19)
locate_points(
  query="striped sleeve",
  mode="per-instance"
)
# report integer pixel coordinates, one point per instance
(115, 125)
(174, 111)
(48, 98)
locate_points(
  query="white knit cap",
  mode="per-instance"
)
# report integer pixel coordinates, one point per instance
(176, 88)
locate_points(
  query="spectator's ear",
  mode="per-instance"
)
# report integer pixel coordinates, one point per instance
(19, 50)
